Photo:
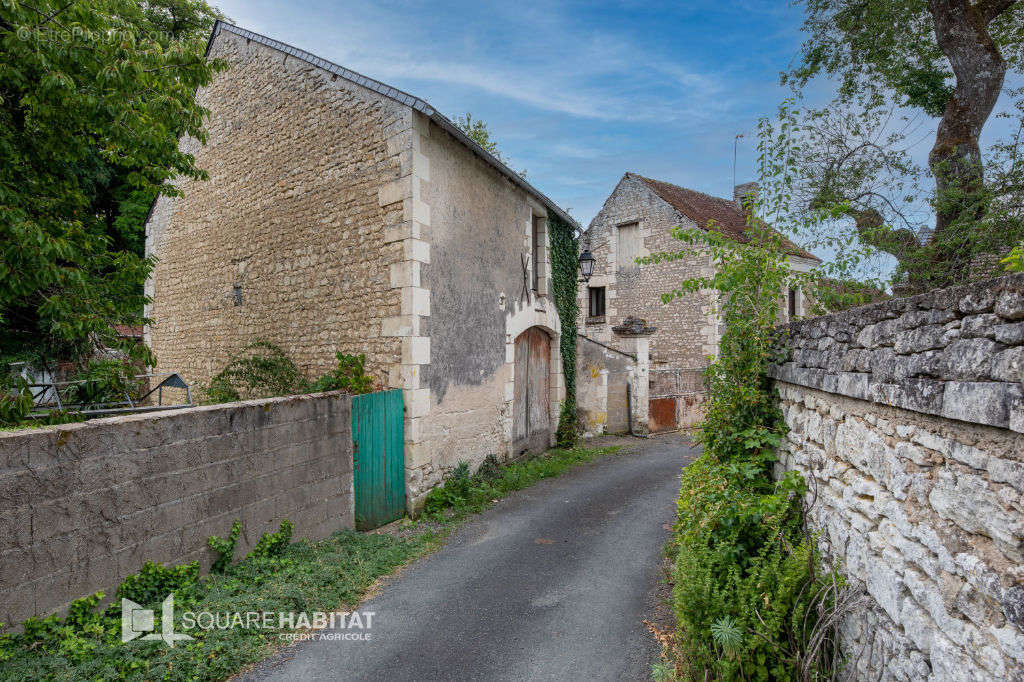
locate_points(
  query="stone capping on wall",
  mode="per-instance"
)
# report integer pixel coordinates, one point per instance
(957, 353)
(84, 505)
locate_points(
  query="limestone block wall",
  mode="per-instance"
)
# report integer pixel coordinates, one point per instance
(602, 374)
(84, 505)
(688, 329)
(479, 228)
(905, 418)
(289, 238)
(592, 400)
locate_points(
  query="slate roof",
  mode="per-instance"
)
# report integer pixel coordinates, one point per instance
(703, 208)
(399, 96)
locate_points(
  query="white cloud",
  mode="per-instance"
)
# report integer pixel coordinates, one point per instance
(573, 96)
(539, 57)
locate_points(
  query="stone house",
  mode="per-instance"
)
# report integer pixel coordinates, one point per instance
(636, 220)
(342, 214)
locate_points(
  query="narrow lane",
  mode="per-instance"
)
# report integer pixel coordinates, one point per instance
(551, 584)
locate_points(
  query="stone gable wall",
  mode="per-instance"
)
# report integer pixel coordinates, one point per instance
(290, 218)
(905, 418)
(687, 328)
(479, 227)
(84, 505)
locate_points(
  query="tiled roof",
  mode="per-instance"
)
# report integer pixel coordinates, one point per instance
(703, 208)
(399, 96)
(128, 331)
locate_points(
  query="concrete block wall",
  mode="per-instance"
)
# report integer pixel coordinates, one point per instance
(905, 418)
(84, 505)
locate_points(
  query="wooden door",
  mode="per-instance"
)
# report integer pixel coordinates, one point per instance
(378, 458)
(531, 414)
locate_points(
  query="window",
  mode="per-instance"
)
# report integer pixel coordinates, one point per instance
(629, 246)
(537, 251)
(596, 308)
(792, 303)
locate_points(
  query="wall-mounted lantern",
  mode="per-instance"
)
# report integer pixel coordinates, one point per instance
(586, 264)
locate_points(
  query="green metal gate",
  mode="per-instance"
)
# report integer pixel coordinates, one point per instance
(378, 458)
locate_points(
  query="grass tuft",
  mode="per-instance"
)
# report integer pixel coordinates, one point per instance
(324, 576)
(463, 493)
(328, 575)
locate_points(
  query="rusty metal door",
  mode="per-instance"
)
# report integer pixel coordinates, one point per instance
(531, 413)
(662, 415)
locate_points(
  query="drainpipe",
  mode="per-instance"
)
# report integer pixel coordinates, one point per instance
(629, 410)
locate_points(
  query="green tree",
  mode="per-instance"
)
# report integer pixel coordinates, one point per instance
(944, 59)
(750, 600)
(477, 131)
(94, 96)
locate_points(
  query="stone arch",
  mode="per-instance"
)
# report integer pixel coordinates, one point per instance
(520, 319)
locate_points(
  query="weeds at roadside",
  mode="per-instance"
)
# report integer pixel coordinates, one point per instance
(464, 493)
(277, 576)
(326, 576)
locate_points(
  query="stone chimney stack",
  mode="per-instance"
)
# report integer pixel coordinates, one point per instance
(748, 191)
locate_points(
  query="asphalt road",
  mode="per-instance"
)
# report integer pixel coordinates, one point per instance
(550, 584)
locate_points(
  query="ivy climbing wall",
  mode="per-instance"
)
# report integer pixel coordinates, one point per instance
(564, 259)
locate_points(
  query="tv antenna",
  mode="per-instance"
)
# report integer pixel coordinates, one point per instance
(735, 142)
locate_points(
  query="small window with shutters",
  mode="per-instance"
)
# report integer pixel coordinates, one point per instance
(629, 246)
(792, 303)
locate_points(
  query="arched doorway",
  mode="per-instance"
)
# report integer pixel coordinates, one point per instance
(531, 413)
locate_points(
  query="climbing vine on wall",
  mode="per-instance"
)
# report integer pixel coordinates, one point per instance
(563, 281)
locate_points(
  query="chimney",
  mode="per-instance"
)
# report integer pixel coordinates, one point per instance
(747, 192)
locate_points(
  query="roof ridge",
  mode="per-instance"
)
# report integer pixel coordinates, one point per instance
(687, 202)
(380, 87)
(690, 189)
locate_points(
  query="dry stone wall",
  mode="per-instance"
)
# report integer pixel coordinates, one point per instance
(84, 505)
(905, 418)
(956, 353)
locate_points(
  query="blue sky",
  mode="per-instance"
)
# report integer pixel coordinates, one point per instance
(576, 93)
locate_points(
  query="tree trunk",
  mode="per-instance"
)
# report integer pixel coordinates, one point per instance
(900, 242)
(961, 29)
